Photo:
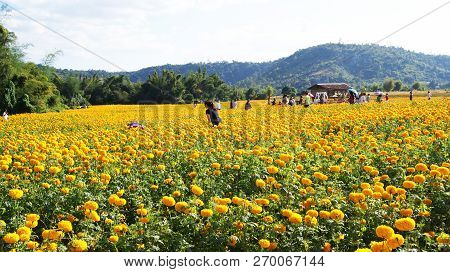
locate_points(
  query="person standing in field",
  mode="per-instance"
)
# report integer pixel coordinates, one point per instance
(410, 95)
(307, 100)
(248, 105)
(368, 98)
(379, 98)
(218, 105)
(429, 95)
(387, 97)
(233, 104)
(351, 98)
(5, 116)
(212, 114)
(274, 101)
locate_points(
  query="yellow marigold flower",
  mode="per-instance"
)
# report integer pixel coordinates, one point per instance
(299, 167)
(113, 239)
(295, 218)
(274, 197)
(335, 168)
(409, 184)
(91, 205)
(221, 208)
(380, 247)
(384, 232)
(419, 178)
(395, 241)
(435, 173)
(168, 201)
(363, 250)
(312, 213)
(264, 243)
(215, 165)
(306, 181)
(443, 170)
(406, 212)
(260, 183)
(405, 224)
(268, 219)
(78, 245)
(31, 224)
(65, 225)
(176, 193)
(32, 217)
(206, 213)
(15, 193)
(181, 206)
(11, 238)
(142, 212)
(337, 214)
(256, 209)
(324, 214)
(443, 238)
(272, 169)
(196, 190)
(54, 170)
(421, 167)
(410, 170)
(192, 174)
(32, 245)
(161, 167)
(70, 178)
(2, 225)
(286, 212)
(239, 225)
(120, 229)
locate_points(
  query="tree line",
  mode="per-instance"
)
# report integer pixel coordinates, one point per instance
(27, 87)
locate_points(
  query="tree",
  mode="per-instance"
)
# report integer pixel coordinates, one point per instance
(270, 91)
(24, 105)
(419, 86)
(251, 93)
(289, 91)
(388, 85)
(398, 85)
(8, 97)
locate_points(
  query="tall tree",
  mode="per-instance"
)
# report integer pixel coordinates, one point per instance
(388, 84)
(270, 91)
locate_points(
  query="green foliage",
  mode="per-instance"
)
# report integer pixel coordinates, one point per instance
(353, 64)
(388, 84)
(419, 86)
(251, 93)
(398, 85)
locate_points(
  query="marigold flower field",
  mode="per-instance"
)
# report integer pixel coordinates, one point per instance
(338, 177)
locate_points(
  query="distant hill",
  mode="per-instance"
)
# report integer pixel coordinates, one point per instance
(354, 64)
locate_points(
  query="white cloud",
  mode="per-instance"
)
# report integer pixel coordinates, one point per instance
(136, 34)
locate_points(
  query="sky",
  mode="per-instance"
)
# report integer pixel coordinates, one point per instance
(135, 34)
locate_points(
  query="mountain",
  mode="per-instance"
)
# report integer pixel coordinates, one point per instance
(350, 63)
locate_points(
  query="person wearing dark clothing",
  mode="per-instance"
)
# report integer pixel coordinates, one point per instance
(410, 95)
(212, 113)
(248, 105)
(274, 102)
(351, 99)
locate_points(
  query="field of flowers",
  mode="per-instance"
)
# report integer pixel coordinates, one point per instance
(339, 177)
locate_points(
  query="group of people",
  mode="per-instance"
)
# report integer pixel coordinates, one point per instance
(286, 101)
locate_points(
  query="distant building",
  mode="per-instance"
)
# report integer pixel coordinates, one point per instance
(333, 90)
